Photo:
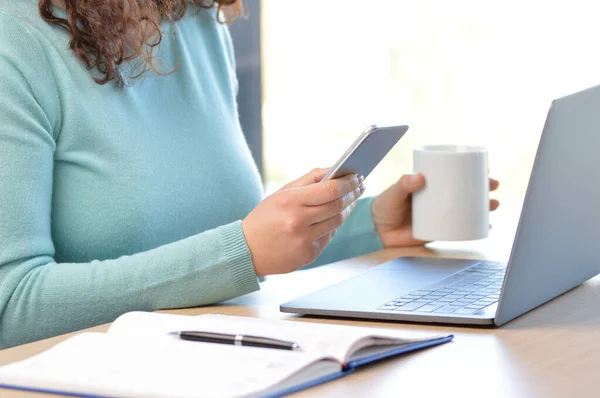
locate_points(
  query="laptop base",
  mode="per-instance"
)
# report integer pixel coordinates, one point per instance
(364, 295)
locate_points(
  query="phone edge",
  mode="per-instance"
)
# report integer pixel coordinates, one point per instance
(367, 132)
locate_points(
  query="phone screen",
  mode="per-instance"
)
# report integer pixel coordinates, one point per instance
(370, 149)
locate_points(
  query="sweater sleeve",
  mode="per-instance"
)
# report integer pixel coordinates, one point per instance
(39, 297)
(357, 236)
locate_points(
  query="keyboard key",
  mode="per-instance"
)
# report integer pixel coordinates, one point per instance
(430, 299)
(464, 301)
(466, 298)
(494, 266)
(476, 296)
(428, 308)
(436, 294)
(471, 279)
(478, 293)
(423, 292)
(485, 272)
(422, 301)
(447, 309)
(444, 300)
(487, 300)
(484, 304)
(476, 278)
(410, 297)
(410, 306)
(462, 282)
(387, 307)
(461, 305)
(481, 270)
(474, 306)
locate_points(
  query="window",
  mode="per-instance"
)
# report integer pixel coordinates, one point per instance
(465, 72)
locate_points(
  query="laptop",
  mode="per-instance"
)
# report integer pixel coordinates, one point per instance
(555, 247)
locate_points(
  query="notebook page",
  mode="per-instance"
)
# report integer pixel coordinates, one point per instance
(340, 341)
(331, 340)
(97, 363)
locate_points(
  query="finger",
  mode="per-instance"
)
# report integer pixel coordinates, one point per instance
(326, 191)
(312, 177)
(324, 227)
(409, 184)
(325, 211)
(494, 184)
(324, 240)
(494, 204)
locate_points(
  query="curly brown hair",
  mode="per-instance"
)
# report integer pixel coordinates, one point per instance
(106, 33)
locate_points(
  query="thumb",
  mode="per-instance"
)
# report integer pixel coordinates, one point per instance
(312, 177)
(410, 183)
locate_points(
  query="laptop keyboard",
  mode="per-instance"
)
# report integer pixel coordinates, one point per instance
(463, 293)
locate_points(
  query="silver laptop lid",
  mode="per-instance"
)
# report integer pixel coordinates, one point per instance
(557, 241)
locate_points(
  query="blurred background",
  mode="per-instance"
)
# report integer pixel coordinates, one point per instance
(314, 75)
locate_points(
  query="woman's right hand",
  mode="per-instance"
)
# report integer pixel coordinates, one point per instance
(290, 228)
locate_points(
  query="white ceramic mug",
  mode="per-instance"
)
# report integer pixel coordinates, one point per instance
(454, 204)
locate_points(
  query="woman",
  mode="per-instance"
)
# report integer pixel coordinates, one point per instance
(127, 187)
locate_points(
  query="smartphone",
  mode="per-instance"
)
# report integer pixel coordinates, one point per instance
(367, 151)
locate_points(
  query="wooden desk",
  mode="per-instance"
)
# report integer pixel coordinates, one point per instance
(553, 351)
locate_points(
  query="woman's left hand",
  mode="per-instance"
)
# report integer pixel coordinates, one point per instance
(392, 211)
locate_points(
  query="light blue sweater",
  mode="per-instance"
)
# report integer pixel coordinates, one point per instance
(113, 199)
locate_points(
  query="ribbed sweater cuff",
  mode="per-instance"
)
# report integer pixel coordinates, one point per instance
(237, 254)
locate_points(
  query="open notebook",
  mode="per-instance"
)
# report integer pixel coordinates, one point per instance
(138, 358)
